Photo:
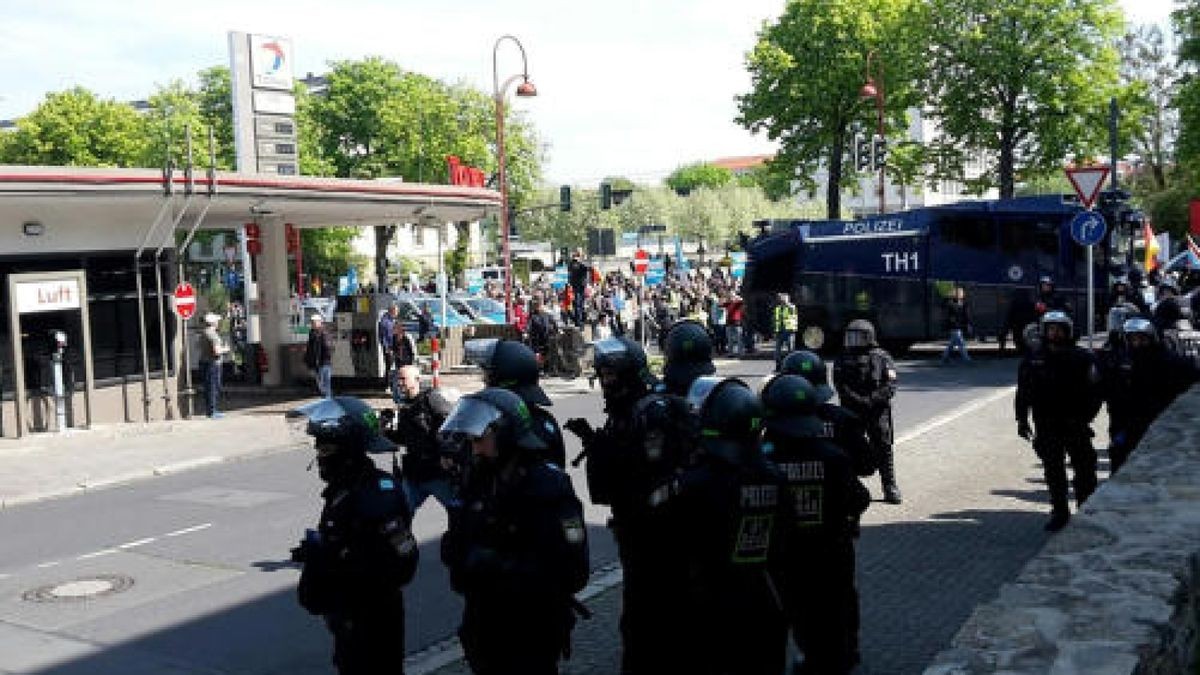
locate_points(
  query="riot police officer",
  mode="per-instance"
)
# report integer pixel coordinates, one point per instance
(849, 432)
(731, 512)
(865, 377)
(1059, 385)
(816, 576)
(512, 365)
(1140, 386)
(517, 548)
(643, 444)
(688, 351)
(362, 554)
(1048, 300)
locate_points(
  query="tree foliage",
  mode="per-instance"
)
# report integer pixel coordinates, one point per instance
(1024, 81)
(77, 128)
(700, 175)
(807, 70)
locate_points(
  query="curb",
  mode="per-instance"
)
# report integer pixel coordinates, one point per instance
(449, 651)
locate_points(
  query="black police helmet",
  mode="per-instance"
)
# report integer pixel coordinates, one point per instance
(624, 357)
(510, 365)
(860, 333)
(811, 367)
(342, 423)
(730, 415)
(1059, 318)
(688, 355)
(790, 406)
(494, 408)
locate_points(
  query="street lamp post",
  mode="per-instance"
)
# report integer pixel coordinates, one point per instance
(873, 88)
(526, 88)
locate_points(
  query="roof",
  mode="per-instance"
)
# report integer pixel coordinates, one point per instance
(118, 195)
(741, 163)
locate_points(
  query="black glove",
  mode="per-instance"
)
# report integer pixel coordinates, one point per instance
(581, 428)
(1024, 430)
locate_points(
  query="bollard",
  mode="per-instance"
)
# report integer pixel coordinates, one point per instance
(436, 366)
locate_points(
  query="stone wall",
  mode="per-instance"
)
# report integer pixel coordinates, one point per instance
(1118, 591)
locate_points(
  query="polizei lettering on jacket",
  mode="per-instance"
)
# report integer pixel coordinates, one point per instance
(797, 472)
(759, 496)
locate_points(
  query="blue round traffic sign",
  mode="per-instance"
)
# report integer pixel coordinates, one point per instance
(1088, 228)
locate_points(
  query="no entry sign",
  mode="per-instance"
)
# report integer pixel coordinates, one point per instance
(185, 300)
(641, 260)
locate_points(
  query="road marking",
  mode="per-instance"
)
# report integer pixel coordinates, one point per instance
(5, 576)
(949, 417)
(44, 565)
(139, 542)
(188, 530)
(97, 554)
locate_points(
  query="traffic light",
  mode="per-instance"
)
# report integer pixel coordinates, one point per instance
(880, 153)
(564, 198)
(605, 196)
(862, 153)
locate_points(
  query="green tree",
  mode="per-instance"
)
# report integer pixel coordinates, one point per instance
(77, 128)
(695, 176)
(216, 111)
(1022, 80)
(807, 70)
(328, 252)
(1149, 79)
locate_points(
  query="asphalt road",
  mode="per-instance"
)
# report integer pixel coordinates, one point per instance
(197, 561)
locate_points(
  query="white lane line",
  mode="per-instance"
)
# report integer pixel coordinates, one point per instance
(188, 530)
(97, 554)
(139, 542)
(5, 576)
(949, 417)
(44, 565)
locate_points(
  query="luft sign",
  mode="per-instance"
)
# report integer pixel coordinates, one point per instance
(47, 296)
(463, 175)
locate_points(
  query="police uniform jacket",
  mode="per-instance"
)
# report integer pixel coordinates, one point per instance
(865, 381)
(366, 553)
(1060, 388)
(519, 542)
(1138, 388)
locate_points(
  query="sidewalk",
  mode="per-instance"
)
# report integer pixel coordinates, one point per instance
(47, 465)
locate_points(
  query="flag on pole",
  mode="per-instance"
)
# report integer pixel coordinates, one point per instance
(1193, 253)
(1152, 247)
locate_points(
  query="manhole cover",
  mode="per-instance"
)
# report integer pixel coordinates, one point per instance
(80, 589)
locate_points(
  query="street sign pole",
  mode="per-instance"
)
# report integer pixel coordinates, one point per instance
(1088, 229)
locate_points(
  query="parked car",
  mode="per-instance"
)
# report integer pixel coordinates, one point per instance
(410, 307)
(486, 307)
(466, 310)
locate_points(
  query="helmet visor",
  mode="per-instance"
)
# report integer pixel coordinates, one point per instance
(480, 352)
(609, 348)
(857, 338)
(471, 418)
(701, 389)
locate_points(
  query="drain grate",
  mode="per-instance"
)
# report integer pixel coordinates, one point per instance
(80, 590)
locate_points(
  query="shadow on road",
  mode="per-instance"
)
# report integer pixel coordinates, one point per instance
(272, 634)
(918, 582)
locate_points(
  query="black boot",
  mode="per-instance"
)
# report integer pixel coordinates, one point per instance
(887, 476)
(1058, 520)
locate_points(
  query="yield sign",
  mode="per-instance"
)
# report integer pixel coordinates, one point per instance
(1087, 181)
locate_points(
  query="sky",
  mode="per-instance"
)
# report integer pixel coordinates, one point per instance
(626, 87)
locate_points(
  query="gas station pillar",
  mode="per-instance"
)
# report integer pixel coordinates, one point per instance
(274, 299)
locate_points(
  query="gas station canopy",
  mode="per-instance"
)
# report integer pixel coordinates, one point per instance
(93, 197)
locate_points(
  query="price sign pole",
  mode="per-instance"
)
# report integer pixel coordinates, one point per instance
(1088, 228)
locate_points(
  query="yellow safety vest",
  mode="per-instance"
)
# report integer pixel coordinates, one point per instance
(785, 318)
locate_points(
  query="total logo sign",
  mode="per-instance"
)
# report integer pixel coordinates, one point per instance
(271, 62)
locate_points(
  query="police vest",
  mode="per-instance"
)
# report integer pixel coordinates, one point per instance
(785, 318)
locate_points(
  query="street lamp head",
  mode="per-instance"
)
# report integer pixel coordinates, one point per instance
(869, 90)
(526, 89)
